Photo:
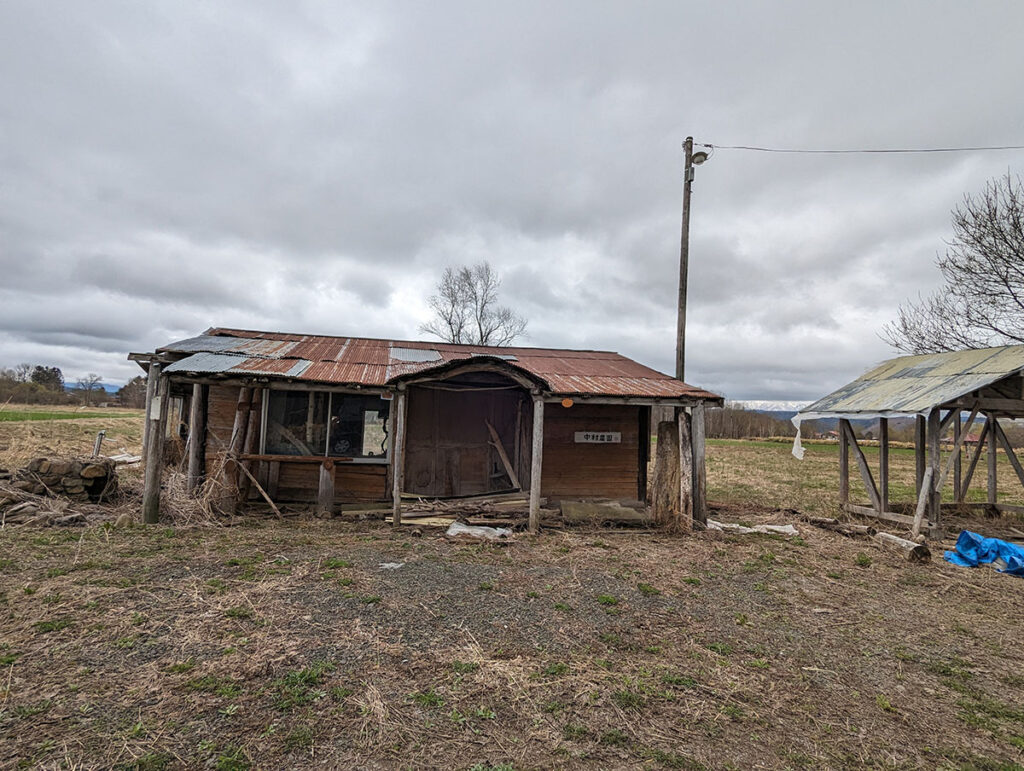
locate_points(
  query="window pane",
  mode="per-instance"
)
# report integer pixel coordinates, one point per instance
(357, 427)
(296, 423)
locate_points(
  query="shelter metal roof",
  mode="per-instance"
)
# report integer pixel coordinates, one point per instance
(917, 384)
(381, 363)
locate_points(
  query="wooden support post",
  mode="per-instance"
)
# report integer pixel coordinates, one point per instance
(252, 435)
(683, 518)
(974, 462)
(844, 464)
(953, 461)
(325, 494)
(883, 462)
(862, 464)
(397, 456)
(1010, 454)
(151, 377)
(992, 491)
(155, 417)
(536, 462)
(196, 437)
(700, 476)
(934, 449)
(920, 442)
(922, 502)
(239, 428)
(958, 441)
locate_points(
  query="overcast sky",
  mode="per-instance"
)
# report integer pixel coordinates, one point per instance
(312, 167)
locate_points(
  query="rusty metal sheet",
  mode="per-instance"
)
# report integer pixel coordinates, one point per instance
(917, 384)
(374, 362)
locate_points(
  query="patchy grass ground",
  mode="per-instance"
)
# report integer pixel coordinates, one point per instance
(270, 645)
(767, 474)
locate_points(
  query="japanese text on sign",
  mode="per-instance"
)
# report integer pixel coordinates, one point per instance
(598, 437)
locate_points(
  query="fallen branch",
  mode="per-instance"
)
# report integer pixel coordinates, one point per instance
(914, 552)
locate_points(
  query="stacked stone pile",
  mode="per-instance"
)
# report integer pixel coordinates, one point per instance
(79, 479)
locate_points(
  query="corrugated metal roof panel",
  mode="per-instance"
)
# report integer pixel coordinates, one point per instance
(916, 384)
(372, 362)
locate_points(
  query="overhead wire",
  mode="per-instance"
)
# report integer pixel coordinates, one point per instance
(865, 150)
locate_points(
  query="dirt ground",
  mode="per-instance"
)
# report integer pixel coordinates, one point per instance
(347, 644)
(271, 645)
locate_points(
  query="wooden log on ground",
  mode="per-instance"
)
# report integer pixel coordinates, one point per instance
(845, 528)
(914, 552)
(588, 512)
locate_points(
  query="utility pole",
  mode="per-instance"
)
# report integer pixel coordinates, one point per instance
(692, 159)
(684, 261)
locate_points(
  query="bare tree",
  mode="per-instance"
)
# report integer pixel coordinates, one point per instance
(89, 385)
(466, 309)
(982, 302)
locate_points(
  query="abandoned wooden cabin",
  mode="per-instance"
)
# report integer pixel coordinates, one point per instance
(936, 390)
(343, 420)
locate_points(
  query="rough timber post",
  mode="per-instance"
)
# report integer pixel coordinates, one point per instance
(991, 457)
(883, 462)
(844, 465)
(957, 464)
(397, 457)
(196, 436)
(325, 493)
(151, 378)
(687, 493)
(155, 417)
(700, 485)
(934, 494)
(919, 446)
(536, 462)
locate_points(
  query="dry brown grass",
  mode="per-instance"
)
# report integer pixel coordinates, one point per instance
(286, 645)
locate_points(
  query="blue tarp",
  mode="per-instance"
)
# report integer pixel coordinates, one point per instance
(973, 549)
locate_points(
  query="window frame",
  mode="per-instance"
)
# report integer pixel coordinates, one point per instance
(380, 460)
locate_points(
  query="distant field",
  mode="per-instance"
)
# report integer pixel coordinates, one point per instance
(16, 416)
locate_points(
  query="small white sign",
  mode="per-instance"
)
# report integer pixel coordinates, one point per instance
(598, 437)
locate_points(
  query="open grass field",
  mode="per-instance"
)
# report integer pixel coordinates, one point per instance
(274, 645)
(30, 431)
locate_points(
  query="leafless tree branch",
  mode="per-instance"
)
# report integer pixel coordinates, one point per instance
(466, 309)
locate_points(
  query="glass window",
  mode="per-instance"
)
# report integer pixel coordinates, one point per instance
(296, 423)
(317, 423)
(358, 426)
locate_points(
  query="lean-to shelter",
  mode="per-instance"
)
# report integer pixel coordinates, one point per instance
(937, 390)
(345, 420)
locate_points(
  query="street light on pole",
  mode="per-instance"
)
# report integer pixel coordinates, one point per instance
(692, 159)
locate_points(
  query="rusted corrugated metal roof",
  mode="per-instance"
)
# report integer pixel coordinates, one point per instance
(917, 384)
(380, 363)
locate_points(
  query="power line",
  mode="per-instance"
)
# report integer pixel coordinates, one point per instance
(864, 150)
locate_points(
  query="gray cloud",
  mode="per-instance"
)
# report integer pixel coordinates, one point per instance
(311, 167)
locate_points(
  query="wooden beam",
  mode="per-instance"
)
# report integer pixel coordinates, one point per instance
(992, 457)
(1010, 454)
(155, 417)
(954, 458)
(397, 455)
(196, 438)
(325, 493)
(920, 441)
(934, 459)
(700, 475)
(536, 462)
(883, 462)
(888, 516)
(844, 465)
(496, 441)
(151, 379)
(974, 462)
(687, 479)
(958, 441)
(252, 434)
(1012, 407)
(922, 502)
(862, 463)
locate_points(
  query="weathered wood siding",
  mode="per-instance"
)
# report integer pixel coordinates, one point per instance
(573, 470)
(297, 481)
